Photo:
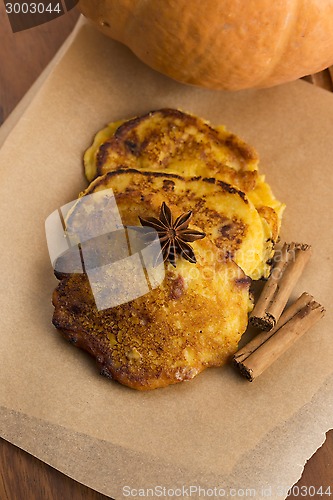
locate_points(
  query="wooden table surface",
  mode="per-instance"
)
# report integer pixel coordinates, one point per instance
(23, 56)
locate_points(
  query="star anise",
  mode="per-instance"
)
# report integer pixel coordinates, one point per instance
(174, 235)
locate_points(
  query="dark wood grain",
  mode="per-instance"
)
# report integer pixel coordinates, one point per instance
(23, 477)
(22, 58)
(24, 55)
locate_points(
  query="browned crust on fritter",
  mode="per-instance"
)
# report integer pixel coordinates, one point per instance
(123, 170)
(272, 219)
(229, 233)
(126, 146)
(77, 318)
(241, 149)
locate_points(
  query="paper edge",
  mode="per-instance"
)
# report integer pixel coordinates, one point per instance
(318, 409)
(308, 414)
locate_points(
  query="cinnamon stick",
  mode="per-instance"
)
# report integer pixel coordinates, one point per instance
(266, 347)
(287, 268)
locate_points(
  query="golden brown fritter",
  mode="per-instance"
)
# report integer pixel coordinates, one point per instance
(171, 141)
(194, 320)
(167, 139)
(223, 212)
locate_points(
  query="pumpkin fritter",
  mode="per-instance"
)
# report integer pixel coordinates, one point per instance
(228, 218)
(171, 141)
(192, 321)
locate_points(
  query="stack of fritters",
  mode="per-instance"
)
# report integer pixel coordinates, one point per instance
(195, 318)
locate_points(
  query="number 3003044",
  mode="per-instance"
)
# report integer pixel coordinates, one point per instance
(33, 8)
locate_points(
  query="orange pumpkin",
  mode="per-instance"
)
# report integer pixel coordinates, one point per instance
(222, 44)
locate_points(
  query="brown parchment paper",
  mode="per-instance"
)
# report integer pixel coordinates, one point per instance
(218, 430)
